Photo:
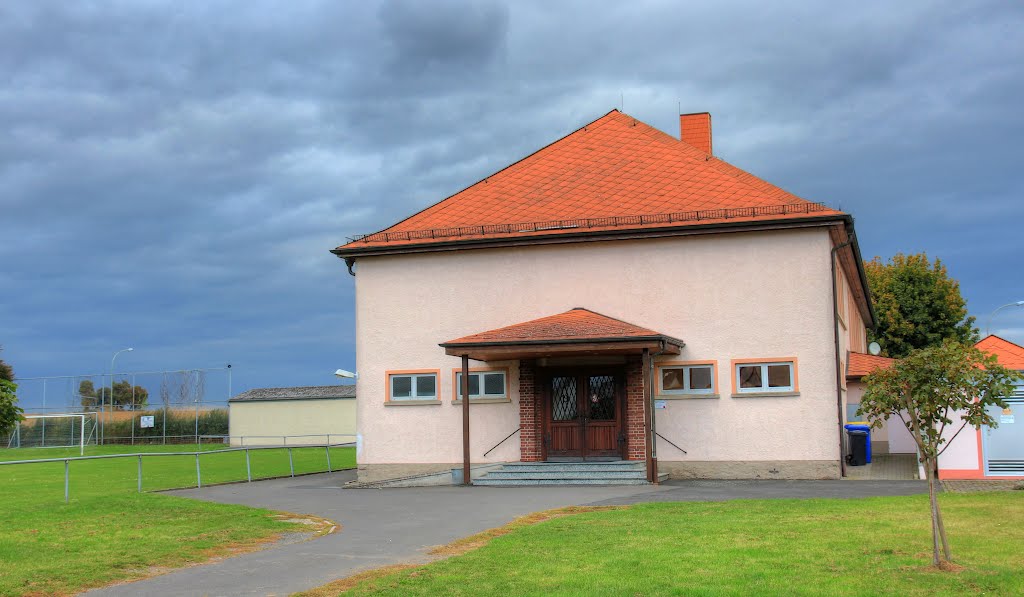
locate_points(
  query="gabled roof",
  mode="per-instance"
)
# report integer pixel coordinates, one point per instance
(859, 364)
(296, 393)
(1010, 355)
(576, 325)
(615, 173)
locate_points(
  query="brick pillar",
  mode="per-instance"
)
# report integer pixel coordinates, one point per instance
(531, 436)
(635, 438)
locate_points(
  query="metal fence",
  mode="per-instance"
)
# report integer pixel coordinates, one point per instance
(199, 475)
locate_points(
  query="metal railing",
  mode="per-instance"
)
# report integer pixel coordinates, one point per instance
(502, 441)
(671, 443)
(199, 476)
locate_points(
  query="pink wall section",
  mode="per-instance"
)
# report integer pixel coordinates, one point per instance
(728, 296)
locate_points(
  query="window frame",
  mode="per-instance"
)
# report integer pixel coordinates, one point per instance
(481, 398)
(686, 392)
(389, 377)
(764, 389)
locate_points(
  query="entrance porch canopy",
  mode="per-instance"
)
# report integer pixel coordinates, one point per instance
(578, 332)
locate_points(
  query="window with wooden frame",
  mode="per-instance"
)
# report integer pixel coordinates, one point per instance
(765, 377)
(484, 385)
(412, 386)
(684, 379)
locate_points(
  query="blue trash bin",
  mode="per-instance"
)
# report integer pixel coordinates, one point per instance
(864, 428)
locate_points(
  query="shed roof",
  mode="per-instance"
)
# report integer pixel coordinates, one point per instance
(860, 364)
(296, 393)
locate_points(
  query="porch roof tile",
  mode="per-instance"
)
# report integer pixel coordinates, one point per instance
(578, 324)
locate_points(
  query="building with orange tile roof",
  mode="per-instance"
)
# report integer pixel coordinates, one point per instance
(990, 452)
(619, 294)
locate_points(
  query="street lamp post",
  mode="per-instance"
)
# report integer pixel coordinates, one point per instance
(988, 328)
(103, 426)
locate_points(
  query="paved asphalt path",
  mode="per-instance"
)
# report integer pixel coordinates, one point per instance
(399, 525)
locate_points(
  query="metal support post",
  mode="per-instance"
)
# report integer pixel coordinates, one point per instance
(291, 465)
(199, 477)
(140, 473)
(66, 464)
(465, 420)
(327, 450)
(248, 468)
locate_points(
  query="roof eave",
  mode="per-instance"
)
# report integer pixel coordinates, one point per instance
(347, 252)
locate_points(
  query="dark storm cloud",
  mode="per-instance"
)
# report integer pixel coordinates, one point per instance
(172, 174)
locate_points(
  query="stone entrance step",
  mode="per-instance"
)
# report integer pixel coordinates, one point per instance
(622, 472)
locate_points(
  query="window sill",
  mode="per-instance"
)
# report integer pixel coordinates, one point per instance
(483, 400)
(687, 397)
(787, 394)
(411, 402)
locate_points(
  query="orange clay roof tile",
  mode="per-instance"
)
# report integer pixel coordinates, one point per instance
(859, 364)
(577, 324)
(1010, 355)
(605, 175)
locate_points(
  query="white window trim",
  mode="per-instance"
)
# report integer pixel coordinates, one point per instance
(686, 380)
(415, 396)
(765, 388)
(480, 385)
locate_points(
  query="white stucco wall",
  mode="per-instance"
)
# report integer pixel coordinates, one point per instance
(894, 433)
(263, 422)
(728, 296)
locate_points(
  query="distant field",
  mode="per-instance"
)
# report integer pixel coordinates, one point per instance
(110, 532)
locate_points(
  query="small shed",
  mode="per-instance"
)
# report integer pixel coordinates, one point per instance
(293, 416)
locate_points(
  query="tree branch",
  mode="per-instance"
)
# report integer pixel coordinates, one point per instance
(951, 439)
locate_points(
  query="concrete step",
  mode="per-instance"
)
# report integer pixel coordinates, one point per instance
(488, 481)
(614, 474)
(574, 466)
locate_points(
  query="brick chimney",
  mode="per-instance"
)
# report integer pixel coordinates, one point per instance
(695, 129)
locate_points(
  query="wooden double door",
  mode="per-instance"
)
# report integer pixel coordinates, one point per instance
(584, 411)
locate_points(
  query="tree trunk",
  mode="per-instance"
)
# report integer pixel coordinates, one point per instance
(938, 519)
(934, 511)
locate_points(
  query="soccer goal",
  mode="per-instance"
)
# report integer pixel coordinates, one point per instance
(63, 430)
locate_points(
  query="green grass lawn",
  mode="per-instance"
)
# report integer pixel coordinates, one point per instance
(770, 547)
(109, 532)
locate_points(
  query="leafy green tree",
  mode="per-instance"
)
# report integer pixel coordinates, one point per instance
(124, 398)
(87, 394)
(924, 390)
(10, 412)
(917, 305)
(6, 372)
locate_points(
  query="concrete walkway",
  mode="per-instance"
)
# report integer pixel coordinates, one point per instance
(388, 526)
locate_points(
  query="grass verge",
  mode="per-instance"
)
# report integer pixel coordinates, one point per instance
(108, 532)
(794, 547)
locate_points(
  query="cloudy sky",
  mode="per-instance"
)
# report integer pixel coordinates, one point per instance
(172, 175)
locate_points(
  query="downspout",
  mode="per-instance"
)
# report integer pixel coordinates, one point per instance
(349, 263)
(839, 372)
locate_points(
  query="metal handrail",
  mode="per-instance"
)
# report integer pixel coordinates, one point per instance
(671, 443)
(502, 441)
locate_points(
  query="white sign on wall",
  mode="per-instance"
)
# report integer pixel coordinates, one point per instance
(146, 421)
(1004, 419)
(660, 404)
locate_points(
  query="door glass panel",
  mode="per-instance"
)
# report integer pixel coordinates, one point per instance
(563, 399)
(601, 399)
